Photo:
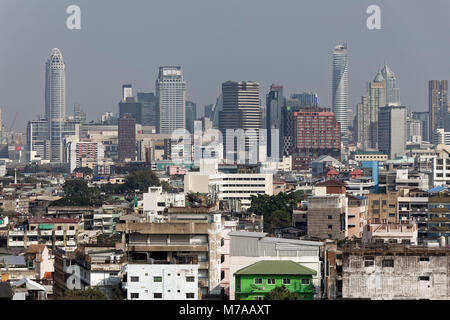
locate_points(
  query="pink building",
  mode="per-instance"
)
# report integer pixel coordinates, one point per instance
(279, 186)
(175, 170)
(228, 226)
(357, 213)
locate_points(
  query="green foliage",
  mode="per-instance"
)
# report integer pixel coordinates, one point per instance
(47, 168)
(276, 210)
(141, 180)
(87, 294)
(281, 293)
(78, 193)
(84, 170)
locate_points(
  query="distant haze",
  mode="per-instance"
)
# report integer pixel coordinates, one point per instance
(286, 42)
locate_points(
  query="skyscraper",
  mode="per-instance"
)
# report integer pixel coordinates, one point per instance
(377, 94)
(127, 138)
(306, 99)
(240, 110)
(363, 123)
(392, 90)
(171, 98)
(275, 102)
(316, 133)
(392, 130)
(425, 119)
(191, 115)
(55, 102)
(340, 88)
(437, 105)
(150, 116)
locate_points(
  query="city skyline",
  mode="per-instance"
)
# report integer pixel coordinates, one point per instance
(139, 67)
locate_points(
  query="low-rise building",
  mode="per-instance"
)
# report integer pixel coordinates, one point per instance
(254, 282)
(248, 248)
(405, 232)
(160, 281)
(395, 272)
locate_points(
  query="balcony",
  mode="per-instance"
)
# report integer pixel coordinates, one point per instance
(16, 244)
(70, 232)
(71, 243)
(46, 232)
(32, 233)
(59, 243)
(59, 232)
(16, 233)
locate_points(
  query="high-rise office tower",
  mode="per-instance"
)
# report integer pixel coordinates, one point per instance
(275, 102)
(240, 110)
(55, 102)
(392, 89)
(191, 116)
(130, 106)
(392, 130)
(150, 116)
(316, 133)
(127, 138)
(340, 88)
(413, 130)
(171, 98)
(377, 94)
(127, 91)
(425, 119)
(306, 99)
(363, 123)
(437, 106)
(78, 114)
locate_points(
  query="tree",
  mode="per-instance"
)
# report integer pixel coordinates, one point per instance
(87, 294)
(281, 293)
(141, 180)
(78, 193)
(84, 170)
(276, 210)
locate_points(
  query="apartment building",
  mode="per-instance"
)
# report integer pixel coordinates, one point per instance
(187, 236)
(405, 232)
(160, 281)
(383, 207)
(155, 201)
(232, 187)
(395, 272)
(441, 167)
(327, 216)
(50, 231)
(357, 215)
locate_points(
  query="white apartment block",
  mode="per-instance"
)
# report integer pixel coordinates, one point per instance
(155, 201)
(441, 166)
(161, 281)
(228, 186)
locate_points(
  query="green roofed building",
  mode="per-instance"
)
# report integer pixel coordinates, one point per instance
(257, 280)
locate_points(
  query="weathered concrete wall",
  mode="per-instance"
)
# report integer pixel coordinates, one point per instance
(409, 278)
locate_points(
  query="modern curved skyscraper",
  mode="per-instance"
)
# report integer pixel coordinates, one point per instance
(340, 88)
(55, 102)
(392, 90)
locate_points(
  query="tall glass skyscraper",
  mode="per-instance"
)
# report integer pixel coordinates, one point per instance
(55, 102)
(171, 98)
(392, 90)
(340, 88)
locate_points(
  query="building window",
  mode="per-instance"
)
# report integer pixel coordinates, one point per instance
(258, 281)
(190, 296)
(134, 295)
(157, 295)
(330, 227)
(388, 263)
(287, 281)
(270, 281)
(190, 279)
(424, 278)
(424, 259)
(134, 279)
(258, 298)
(330, 217)
(305, 281)
(157, 279)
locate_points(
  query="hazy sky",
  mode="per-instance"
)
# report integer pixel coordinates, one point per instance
(287, 42)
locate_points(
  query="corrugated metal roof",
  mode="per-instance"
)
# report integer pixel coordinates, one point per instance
(14, 260)
(274, 267)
